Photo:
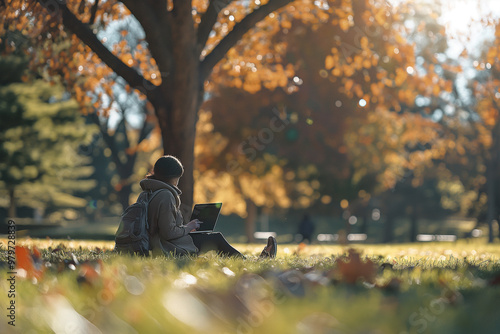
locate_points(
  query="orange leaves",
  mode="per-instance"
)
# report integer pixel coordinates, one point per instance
(251, 76)
(376, 89)
(89, 273)
(100, 71)
(364, 43)
(149, 144)
(336, 72)
(382, 138)
(436, 90)
(448, 86)
(348, 70)
(488, 112)
(380, 17)
(401, 76)
(127, 59)
(352, 269)
(78, 93)
(329, 62)
(348, 85)
(238, 83)
(121, 45)
(286, 24)
(252, 83)
(407, 96)
(300, 249)
(344, 25)
(30, 263)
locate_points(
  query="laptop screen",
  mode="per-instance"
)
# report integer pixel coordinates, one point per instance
(208, 214)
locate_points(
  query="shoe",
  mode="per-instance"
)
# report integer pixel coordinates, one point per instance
(271, 249)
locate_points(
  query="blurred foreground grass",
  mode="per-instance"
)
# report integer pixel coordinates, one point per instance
(83, 287)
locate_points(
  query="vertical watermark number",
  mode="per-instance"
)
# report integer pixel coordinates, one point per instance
(11, 273)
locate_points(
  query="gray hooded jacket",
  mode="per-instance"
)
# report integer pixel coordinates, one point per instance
(166, 225)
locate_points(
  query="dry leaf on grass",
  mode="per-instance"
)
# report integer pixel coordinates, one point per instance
(30, 263)
(352, 268)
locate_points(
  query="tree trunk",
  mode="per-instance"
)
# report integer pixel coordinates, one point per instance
(389, 228)
(490, 190)
(413, 224)
(124, 195)
(178, 135)
(12, 203)
(250, 220)
(364, 223)
(348, 226)
(492, 179)
(125, 171)
(178, 99)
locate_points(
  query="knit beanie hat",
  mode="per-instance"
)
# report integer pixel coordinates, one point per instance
(168, 167)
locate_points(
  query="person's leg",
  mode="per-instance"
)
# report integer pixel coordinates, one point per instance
(213, 241)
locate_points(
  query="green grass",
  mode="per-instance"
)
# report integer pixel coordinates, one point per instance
(431, 288)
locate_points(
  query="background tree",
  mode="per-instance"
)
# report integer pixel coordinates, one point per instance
(346, 77)
(487, 93)
(245, 183)
(124, 140)
(467, 117)
(127, 125)
(171, 71)
(178, 62)
(16, 164)
(41, 133)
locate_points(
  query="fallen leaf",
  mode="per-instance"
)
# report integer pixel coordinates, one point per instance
(352, 269)
(495, 281)
(393, 285)
(302, 246)
(89, 273)
(32, 264)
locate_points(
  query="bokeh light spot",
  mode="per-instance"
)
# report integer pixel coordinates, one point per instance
(344, 204)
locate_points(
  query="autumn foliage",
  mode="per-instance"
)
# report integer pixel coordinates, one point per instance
(345, 78)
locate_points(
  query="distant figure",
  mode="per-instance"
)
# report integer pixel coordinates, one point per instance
(306, 228)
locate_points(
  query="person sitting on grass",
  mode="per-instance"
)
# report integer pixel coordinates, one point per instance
(168, 233)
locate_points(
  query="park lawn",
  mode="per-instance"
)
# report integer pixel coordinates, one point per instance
(83, 287)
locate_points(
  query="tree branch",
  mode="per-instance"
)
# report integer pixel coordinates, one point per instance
(497, 105)
(81, 7)
(85, 34)
(208, 21)
(93, 12)
(240, 29)
(155, 20)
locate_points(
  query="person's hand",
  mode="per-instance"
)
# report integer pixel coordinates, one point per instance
(193, 225)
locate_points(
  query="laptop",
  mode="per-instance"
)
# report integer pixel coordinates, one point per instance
(208, 213)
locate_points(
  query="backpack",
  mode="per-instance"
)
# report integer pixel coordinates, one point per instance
(132, 236)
